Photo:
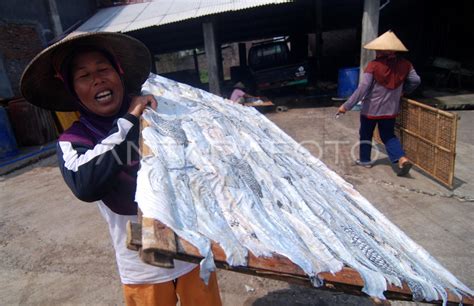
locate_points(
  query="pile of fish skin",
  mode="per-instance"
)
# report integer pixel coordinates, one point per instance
(223, 172)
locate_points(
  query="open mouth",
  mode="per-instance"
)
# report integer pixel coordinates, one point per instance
(104, 96)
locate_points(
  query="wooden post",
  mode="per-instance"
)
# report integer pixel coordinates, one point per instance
(370, 30)
(242, 55)
(153, 63)
(318, 48)
(55, 18)
(196, 64)
(5, 85)
(299, 46)
(212, 53)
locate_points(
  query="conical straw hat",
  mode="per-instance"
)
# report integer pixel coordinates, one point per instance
(239, 85)
(387, 41)
(40, 86)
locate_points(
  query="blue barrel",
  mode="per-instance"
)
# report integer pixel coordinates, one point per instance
(7, 138)
(348, 80)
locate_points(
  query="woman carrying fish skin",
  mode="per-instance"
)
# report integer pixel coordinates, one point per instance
(384, 81)
(98, 75)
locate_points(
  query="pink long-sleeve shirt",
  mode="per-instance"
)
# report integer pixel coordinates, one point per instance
(379, 102)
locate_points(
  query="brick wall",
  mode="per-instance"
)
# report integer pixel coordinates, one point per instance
(19, 43)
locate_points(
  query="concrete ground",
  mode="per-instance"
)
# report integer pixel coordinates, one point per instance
(56, 250)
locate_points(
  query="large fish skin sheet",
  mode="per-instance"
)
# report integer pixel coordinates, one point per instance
(212, 221)
(261, 219)
(171, 197)
(220, 181)
(249, 182)
(272, 187)
(428, 293)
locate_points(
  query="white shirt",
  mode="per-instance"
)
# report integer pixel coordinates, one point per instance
(131, 268)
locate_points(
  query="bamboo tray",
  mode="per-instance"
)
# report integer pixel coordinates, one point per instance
(428, 136)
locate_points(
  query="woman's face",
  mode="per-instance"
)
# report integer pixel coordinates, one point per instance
(97, 83)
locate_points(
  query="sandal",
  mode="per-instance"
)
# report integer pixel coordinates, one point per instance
(404, 169)
(364, 164)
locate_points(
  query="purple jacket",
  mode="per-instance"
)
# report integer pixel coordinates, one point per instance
(102, 168)
(379, 102)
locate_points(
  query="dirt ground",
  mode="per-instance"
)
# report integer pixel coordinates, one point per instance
(55, 249)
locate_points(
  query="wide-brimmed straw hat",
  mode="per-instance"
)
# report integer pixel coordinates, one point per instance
(41, 83)
(239, 85)
(387, 42)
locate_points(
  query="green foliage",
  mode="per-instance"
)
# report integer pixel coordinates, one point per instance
(203, 76)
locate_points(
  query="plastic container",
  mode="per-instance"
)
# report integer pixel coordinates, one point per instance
(348, 80)
(8, 145)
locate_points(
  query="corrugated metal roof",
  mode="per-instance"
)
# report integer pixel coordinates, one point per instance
(133, 17)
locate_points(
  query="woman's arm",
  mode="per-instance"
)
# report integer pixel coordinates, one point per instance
(90, 171)
(361, 91)
(412, 81)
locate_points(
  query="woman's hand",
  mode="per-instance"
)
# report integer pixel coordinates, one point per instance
(138, 104)
(341, 109)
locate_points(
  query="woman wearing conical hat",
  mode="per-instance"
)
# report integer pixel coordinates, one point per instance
(238, 94)
(384, 81)
(100, 75)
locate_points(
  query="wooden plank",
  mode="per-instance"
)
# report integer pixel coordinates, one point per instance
(279, 267)
(276, 264)
(134, 243)
(254, 104)
(430, 108)
(156, 259)
(454, 138)
(436, 148)
(157, 237)
(134, 236)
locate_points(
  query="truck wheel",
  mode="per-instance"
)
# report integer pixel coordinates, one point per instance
(281, 108)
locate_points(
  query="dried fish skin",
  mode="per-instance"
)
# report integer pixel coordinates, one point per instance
(169, 128)
(246, 174)
(206, 182)
(154, 175)
(164, 146)
(212, 222)
(249, 182)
